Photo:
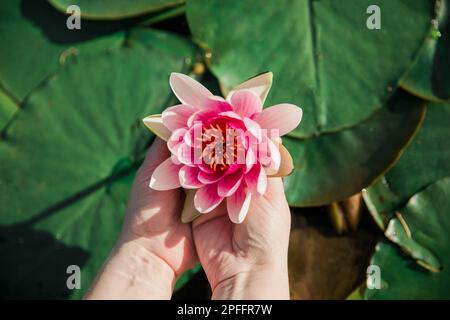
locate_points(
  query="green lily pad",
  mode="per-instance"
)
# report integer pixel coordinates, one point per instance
(114, 9)
(424, 162)
(430, 76)
(167, 43)
(36, 42)
(399, 232)
(323, 56)
(8, 107)
(380, 201)
(335, 166)
(68, 160)
(426, 214)
(427, 158)
(80, 232)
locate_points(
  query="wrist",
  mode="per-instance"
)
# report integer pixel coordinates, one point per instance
(133, 272)
(257, 283)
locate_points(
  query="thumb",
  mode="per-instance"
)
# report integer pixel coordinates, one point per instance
(275, 190)
(156, 154)
(272, 206)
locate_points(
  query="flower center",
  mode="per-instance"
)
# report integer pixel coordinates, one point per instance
(220, 146)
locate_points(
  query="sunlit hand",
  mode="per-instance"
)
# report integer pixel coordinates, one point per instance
(247, 260)
(154, 247)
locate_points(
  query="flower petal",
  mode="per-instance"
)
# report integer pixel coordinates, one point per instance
(274, 155)
(285, 117)
(189, 212)
(250, 159)
(254, 128)
(229, 184)
(269, 155)
(175, 139)
(256, 180)
(165, 176)
(201, 116)
(238, 205)
(193, 136)
(177, 116)
(206, 198)
(188, 91)
(217, 104)
(208, 177)
(246, 103)
(260, 85)
(231, 114)
(155, 124)
(188, 177)
(185, 154)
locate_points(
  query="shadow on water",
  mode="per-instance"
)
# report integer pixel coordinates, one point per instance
(34, 263)
(197, 288)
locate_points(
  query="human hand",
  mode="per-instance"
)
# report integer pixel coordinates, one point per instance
(154, 246)
(247, 260)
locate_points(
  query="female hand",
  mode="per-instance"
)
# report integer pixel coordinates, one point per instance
(154, 247)
(247, 260)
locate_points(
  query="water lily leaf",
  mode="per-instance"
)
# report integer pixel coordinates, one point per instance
(430, 76)
(8, 107)
(36, 42)
(323, 56)
(427, 216)
(167, 43)
(380, 201)
(424, 162)
(399, 232)
(114, 9)
(427, 157)
(335, 166)
(68, 160)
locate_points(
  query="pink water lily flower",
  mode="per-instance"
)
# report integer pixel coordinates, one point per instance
(222, 149)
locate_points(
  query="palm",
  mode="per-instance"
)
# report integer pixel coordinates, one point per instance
(226, 249)
(153, 217)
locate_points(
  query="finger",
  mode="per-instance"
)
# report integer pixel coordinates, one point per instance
(217, 213)
(274, 195)
(273, 203)
(275, 189)
(156, 154)
(147, 202)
